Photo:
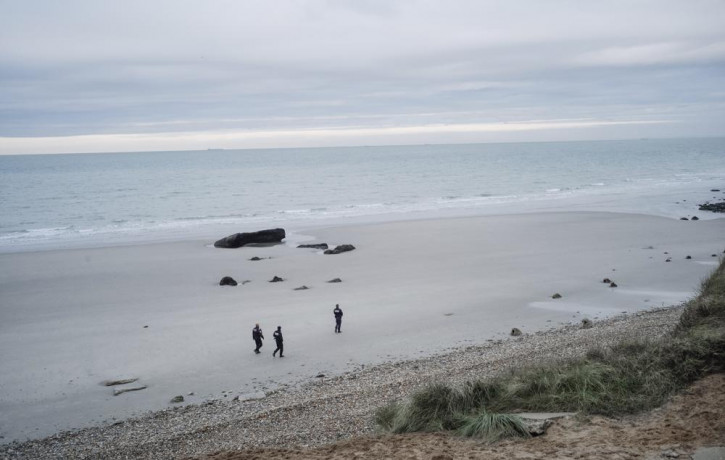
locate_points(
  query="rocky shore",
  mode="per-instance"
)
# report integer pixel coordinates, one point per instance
(328, 409)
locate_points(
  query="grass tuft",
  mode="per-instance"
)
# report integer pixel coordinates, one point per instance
(491, 427)
(432, 409)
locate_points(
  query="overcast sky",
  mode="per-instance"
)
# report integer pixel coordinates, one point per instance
(102, 75)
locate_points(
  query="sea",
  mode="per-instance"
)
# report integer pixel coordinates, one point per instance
(90, 200)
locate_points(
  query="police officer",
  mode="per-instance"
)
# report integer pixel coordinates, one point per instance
(257, 336)
(278, 338)
(338, 318)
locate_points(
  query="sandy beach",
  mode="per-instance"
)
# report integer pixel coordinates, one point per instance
(73, 319)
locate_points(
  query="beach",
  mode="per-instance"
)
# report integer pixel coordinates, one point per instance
(469, 216)
(73, 319)
(332, 418)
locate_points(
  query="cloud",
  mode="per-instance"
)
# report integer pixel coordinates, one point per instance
(82, 67)
(655, 53)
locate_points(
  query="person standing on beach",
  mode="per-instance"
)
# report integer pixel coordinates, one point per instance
(338, 318)
(278, 338)
(258, 337)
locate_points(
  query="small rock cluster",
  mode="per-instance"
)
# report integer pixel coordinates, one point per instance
(713, 207)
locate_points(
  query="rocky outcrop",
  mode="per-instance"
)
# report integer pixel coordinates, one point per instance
(335, 280)
(314, 246)
(556, 296)
(713, 207)
(587, 323)
(177, 399)
(227, 281)
(516, 332)
(276, 279)
(275, 235)
(341, 248)
(301, 288)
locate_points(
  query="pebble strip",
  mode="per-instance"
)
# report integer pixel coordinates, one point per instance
(327, 410)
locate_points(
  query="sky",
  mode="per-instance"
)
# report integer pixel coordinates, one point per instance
(102, 75)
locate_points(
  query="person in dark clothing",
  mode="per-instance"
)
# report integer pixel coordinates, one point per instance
(278, 338)
(258, 337)
(338, 318)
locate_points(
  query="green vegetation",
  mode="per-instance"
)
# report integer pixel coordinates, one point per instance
(630, 377)
(492, 427)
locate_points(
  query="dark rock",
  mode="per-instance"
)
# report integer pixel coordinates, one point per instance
(586, 323)
(714, 255)
(314, 246)
(612, 284)
(688, 257)
(275, 235)
(516, 332)
(695, 218)
(684, 218)
(126, 390)
(713, 207)
(301, 288)
(110, 383)
(669, 259)
(276, 279)
(255, 258)
(340, 248)
(715, 190)
(606, 280)
(556, 296)
(227, 281)
(177, 399)
(335, 280)
(320, 376)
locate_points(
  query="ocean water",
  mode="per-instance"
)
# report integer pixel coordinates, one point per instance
(76, 200)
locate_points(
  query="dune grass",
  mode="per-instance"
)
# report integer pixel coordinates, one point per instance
(629, 377)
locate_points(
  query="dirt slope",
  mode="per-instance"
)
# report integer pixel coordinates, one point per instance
(690, 420)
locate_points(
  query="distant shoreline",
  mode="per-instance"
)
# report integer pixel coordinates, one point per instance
(107, 200)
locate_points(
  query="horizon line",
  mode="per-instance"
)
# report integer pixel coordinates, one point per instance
(303, 138)
(345, 146)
